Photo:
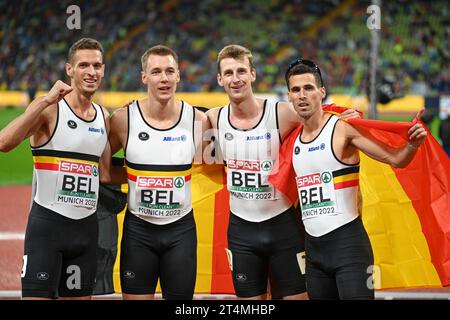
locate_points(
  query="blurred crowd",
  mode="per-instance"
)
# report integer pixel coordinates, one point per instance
(414, 46)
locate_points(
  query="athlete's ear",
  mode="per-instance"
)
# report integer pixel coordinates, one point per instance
(178, 76)
(219, 80)
(103, 70)
(253, 74)
(69, 70)
(323, 92)
(144, 77)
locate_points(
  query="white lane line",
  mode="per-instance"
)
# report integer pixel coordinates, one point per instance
(12, 236)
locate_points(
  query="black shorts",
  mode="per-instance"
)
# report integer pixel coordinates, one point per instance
(273, 247)
(339, 264)
(168, 252)
(60, 256)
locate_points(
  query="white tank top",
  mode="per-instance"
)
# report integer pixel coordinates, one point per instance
(327, 187)
(159, 164)
(249, 156)
(66, 166)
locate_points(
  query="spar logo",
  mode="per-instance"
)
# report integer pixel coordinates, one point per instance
(309, 180)
(155, 182)
(78, 168)
(247, 165)
(266, 165)
(326, 177)
(314, 179)
(179, 182)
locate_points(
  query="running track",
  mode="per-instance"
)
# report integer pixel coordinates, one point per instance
(14, 206)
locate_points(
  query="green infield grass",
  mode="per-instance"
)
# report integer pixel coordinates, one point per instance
(16, 166)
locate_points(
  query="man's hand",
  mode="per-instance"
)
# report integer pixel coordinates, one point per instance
(57, 92)
(417, 132)
(350, 114)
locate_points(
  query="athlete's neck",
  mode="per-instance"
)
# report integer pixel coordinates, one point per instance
(247, 109)
(313, 124)
(80, 103)
(247, 114)
(161, 114)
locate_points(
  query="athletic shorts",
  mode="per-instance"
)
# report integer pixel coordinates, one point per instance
(257, 250)
(339, 264)
(167, 252)
(60, 256)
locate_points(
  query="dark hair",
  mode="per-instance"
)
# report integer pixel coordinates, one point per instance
(84, 43)
(301, 66)
(158, 50)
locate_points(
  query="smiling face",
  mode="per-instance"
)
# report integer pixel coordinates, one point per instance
(86, 70)
(305, 94)
(161, 76)
(236, 77)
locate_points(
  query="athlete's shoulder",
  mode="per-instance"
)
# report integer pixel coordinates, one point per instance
(49, 115)
(104, 110)
(120, 115)
(285, 108)
(214, 111)
(213, 114)
(200, 115)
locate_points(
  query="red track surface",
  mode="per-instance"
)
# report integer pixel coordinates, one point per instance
(14, 207)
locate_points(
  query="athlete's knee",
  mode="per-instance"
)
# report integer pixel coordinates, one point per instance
(300, 296)
(126, 296)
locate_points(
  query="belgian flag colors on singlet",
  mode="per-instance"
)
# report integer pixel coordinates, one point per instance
(159, 164)
(66, 166)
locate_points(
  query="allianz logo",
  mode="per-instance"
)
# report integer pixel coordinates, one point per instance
(321, 147)
(180, 138)
(267, 136)
(92, 129)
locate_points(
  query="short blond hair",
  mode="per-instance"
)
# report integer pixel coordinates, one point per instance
(158, 50)
(237, 52)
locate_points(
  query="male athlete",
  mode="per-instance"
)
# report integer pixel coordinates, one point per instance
(160, 142)
(68, 135)
(326, 162)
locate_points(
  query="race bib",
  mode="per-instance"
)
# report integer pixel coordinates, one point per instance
(77, 184)
(249, 179)
(317, 195)
(160, 196)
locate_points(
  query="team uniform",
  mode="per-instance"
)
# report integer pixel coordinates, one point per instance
(338, 250)
(61, 236)
(159, 233)
(263, 236)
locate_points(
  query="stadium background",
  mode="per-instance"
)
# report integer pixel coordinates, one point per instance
(413, 70)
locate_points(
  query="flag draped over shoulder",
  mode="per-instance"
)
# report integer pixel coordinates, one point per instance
(406, 211)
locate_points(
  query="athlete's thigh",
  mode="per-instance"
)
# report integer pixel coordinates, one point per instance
(80, 259)
(287, 272)
(179, 266)
(354, 260)
(287, 257)
(249, 267)
(354, 282)
(139, 266)
(41, 273)
(42, 259)
(320, 286)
